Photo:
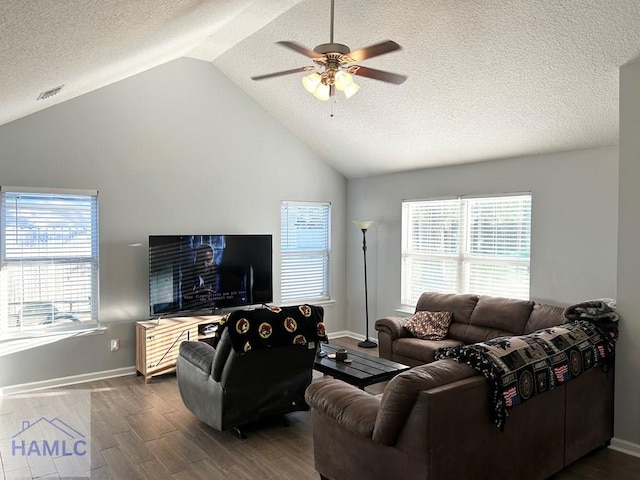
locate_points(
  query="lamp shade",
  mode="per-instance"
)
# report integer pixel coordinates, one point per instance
(311, 82)
(363, 224)
(351, 90)
(323, 92)
(343, 80)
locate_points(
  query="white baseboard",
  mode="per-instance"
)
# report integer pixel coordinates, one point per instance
(625, 447)
(64, 381)
(343, 333)
(347, 333)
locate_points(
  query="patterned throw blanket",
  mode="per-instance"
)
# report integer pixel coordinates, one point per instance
(520, 367)
(274, 327)
(602, 312)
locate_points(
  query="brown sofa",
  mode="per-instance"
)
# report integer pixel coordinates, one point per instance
(433, 422)
(475, 319)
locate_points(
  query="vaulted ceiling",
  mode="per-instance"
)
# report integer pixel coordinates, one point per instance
(487, 79)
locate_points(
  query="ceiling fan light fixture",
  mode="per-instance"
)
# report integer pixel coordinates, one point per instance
(311, 82)
(343, 80)
(322, 92)
(334, 67)
(351, 90)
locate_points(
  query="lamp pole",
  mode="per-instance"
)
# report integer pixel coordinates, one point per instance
(364, 226)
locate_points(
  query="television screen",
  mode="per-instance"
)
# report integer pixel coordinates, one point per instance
(197, 273)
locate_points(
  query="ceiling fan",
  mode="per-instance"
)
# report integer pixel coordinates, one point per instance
(334, 66)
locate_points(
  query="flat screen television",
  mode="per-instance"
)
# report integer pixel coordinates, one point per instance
(206, 273)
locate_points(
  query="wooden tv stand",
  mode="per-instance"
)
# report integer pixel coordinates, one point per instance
(158, 341)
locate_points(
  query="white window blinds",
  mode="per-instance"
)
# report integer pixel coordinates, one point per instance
(305, 247)
(466, 245)
(48, 260)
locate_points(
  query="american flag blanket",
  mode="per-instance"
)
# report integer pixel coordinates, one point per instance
(520, 367)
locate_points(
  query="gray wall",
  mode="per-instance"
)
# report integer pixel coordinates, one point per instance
(177, 149)
(628, 349)
(574, 225)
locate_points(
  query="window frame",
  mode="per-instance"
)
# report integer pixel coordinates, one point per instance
(463, 257)
(86, 264)
(324, 294)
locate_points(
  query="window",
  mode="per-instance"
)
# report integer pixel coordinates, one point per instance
(48, 260)
(305, 246)
(466, 245)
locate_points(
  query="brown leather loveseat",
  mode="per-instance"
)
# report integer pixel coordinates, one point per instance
(433, 422)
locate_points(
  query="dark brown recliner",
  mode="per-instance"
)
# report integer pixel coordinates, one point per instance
(226, 389)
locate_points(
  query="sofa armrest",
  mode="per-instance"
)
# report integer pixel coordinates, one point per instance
(389, 329)
(402, 391)
(198, 354)
(350, 407)
(392, 326)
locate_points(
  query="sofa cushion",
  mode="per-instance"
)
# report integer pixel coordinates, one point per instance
(506, 314)
(460, 304)
(544, 316)
(466, 333)
(429, 325)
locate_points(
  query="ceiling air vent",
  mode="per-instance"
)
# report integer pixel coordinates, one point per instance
(49, 93)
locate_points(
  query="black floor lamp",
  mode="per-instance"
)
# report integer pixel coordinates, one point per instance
(364, 226)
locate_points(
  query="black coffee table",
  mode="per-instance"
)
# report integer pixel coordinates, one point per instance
(363, 370)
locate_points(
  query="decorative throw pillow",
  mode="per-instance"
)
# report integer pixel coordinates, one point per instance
(429, 325)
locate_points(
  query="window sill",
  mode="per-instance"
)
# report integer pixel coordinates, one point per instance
(323, 303)
(405, 311)
(54, 332)
(18, 343)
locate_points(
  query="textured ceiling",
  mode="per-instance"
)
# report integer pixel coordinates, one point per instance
(487, 79)
(87, 44)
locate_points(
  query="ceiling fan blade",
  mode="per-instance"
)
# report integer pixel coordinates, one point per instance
(300, 49)
(284, 72)
(373, 51)
(377, 74)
